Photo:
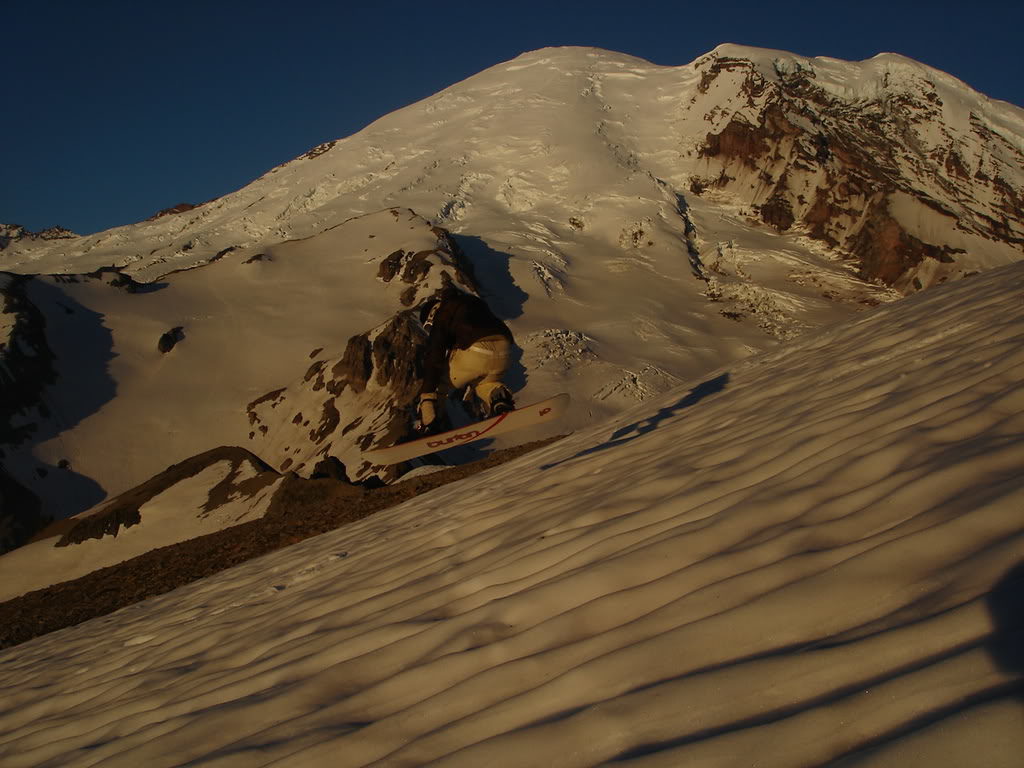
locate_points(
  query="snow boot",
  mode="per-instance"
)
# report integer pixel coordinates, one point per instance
(495, 399)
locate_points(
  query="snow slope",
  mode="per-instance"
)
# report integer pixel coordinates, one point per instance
(218, 490)
(810, 555)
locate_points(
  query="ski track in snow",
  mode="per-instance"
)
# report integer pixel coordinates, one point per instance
(786, 563)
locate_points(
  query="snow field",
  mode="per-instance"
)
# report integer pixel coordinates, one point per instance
(786, 563)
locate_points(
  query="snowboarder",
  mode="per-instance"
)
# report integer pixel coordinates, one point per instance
(467, 349)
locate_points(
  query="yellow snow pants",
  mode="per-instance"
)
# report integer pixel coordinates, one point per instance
(482, 365)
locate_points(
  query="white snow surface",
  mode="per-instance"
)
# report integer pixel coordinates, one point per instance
(785, 562)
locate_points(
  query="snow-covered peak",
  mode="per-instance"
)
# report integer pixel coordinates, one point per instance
(870, 79)
(752, 53)
(572, 57)
(773, 63)
(529, 143)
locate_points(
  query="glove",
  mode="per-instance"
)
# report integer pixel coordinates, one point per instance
(427, 410)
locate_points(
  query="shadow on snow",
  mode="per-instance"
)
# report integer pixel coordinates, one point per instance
(72, 383)
(637, 429)
(498, 288)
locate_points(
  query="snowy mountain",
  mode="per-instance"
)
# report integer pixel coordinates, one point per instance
(636, 226)
(898, 166)
(811, 556)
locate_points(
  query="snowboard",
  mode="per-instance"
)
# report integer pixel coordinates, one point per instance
(527, 416)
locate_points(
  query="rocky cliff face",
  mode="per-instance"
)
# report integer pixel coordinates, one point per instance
(901, 174)
(11, 233)
(26, 362)
(20, 516)
(26, 366)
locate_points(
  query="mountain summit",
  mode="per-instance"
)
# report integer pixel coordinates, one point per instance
(899, 167)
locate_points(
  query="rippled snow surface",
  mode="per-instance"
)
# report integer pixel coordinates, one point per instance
(806, 557)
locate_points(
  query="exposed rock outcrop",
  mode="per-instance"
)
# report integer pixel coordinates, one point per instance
(20, 516)
(345, 405)
(10, 233)
(246, 475)
(26, 362)
(169, 338)
(889, 182)
(179, 208)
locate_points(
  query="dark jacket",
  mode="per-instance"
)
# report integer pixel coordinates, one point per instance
(460, 320)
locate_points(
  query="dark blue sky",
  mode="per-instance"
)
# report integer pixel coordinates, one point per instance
(115, 110)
